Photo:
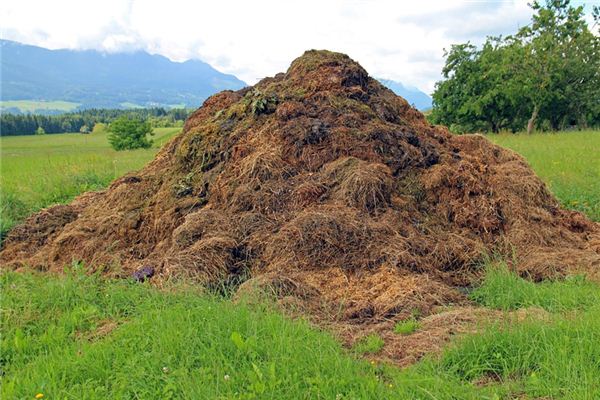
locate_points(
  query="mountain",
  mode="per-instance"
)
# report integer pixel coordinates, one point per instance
(420, 100)
(95, 79)
(49, 81)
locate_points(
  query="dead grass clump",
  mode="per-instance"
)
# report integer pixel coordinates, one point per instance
(326, 237)
(452, 256)
(541, 263)
(307, 193)
(208, 260)
(290, 109)
(366, 186)
(43, 224)
(462, 194)
(199, 225)
(262, 165)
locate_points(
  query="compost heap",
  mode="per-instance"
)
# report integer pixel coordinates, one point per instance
(327, 188)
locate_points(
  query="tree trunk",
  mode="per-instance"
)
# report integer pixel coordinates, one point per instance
(531, 122)
(495, 128)
(582, 122)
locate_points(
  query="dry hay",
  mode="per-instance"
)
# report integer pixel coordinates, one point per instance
(326, 187)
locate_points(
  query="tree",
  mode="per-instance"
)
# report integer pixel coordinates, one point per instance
(547, 74)
(476, 93)
(560, 63)
(128, 133)
(40, 131)
(84, 129)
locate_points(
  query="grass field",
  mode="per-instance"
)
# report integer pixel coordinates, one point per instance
(82, 337)
(30, 106)
(76, 336)
(568, 162)
(37, 171)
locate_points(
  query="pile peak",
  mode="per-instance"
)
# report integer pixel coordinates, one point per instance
(327, 189)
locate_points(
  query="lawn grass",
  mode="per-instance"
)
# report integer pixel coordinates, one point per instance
(555, 359)
(569, 163)
(38, 171)
(504, 290)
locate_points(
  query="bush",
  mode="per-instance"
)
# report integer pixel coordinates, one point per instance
(40, 131)
(127, 133)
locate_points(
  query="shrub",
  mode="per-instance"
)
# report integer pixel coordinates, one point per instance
(126, 133)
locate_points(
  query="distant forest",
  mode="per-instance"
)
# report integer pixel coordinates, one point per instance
(85, 120)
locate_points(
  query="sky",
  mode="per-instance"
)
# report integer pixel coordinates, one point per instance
(399, 40)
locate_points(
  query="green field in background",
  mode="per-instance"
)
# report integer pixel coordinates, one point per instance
(30, 106)
(569, 163)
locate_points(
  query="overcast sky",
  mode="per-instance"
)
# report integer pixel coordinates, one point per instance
(251, 39)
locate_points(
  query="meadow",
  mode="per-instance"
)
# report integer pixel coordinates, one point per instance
(76, 335)
(33, 106)
(569, 163)
(38, 171)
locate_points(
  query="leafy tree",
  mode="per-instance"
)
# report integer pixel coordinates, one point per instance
(560, 64)
(84, 129)
(547, 74)
(127, 133)
(40, 131)
(475, 94)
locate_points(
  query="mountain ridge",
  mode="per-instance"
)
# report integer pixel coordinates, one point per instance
(96, 79)
(40, 77)
(421, 100)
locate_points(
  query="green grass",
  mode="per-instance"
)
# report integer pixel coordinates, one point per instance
(569, 163)
(38, 171)
(406, 327)
(372, 344)
(84, 337)
(553, 356)
(558, 359)
(30, 106)
(504, 290)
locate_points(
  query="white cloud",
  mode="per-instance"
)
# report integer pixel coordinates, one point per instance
(252, 39)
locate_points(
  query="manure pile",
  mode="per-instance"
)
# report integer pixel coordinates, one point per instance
(327, 188)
